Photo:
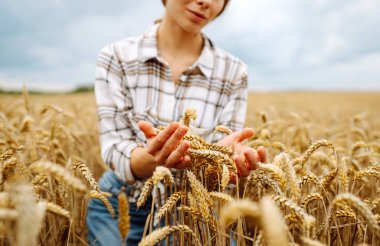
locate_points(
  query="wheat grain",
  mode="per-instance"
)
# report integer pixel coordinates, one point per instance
(190, 114)
(225, 180)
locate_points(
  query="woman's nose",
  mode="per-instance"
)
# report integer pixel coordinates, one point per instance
(204, 2)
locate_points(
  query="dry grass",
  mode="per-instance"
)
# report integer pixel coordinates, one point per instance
(319, 186)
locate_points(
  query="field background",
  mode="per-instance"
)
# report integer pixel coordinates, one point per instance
(321, 110)
(62, 129)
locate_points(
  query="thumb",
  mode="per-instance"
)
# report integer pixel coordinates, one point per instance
(147, 128)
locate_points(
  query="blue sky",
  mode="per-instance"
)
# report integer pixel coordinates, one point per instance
(287, 44)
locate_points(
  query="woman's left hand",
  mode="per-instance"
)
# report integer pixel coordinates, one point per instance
(245, 157)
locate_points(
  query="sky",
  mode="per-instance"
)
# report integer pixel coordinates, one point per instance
(52, 45)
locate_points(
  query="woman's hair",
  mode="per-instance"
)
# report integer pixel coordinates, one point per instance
(224, 7)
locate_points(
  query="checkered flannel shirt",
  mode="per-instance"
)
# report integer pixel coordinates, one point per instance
(134, 83)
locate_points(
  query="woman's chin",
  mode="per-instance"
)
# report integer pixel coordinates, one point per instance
(192, 28)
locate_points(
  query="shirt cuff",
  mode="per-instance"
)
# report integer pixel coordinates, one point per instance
(128, 174)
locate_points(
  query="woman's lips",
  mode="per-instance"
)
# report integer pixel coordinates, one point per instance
(197, 17)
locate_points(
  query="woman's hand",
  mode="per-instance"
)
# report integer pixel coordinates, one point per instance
(245, 158)
(167, 147)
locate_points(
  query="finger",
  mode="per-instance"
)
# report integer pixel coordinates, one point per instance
(177, 155)
(241, 167)
(252, 158)
(246, 133)
(172, 143)
(147, 129)
(184, 163)
(158, 142)
(262, 153)
(241, 135)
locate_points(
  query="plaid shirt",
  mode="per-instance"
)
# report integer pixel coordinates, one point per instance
(134, 83)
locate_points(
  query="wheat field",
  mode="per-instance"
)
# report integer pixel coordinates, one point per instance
(319, 185)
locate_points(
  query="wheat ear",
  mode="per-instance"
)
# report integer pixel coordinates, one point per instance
(87, 174)
(162, 173)
(60, 173)
(159, 234)
(237, 209)
(301, 160)
(358, 205)
(55, 209)
(124, 224)
(221, 196)
(97, 195)
(223, 129)
(272, 223)
(146, 191)
(170, 204)
(283, 161)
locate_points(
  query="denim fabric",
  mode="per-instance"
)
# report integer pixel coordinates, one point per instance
(102, 228)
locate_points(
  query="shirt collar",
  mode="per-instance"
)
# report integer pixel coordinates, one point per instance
(149, 51)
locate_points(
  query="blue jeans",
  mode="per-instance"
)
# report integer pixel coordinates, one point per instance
(102, 228)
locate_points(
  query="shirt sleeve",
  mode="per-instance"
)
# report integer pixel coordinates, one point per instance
(117, 138)
(234, 112)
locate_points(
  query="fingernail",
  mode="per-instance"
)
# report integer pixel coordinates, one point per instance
(183, 129)
(174, 124)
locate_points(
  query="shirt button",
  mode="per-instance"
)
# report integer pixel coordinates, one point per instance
(183, 77)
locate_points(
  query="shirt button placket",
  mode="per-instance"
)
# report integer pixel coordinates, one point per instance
(170, 101)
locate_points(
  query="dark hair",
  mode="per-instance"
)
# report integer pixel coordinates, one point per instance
(224, 6)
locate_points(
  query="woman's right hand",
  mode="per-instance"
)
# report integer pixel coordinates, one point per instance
(165, 148)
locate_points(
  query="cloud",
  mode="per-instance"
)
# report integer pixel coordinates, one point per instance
(299, 45)
(321, 44)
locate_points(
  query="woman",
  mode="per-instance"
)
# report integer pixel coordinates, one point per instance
(150, 80)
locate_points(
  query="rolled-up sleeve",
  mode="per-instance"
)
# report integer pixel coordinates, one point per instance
(117, 138)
